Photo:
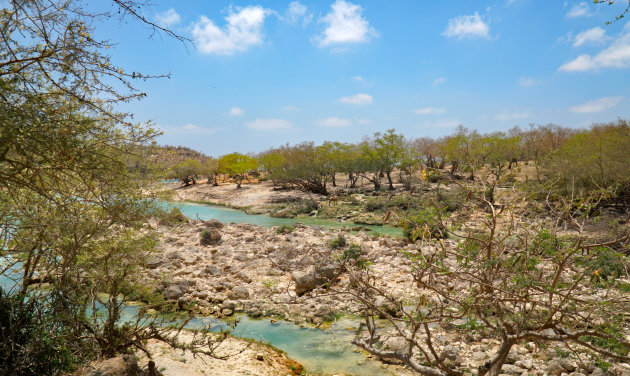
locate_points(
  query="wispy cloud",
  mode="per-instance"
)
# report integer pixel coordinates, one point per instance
(439, 80)
(528, 82)
(595, 35)
(236, 111)
(578, 10)
(334, 122)
(298, 12)
(268, 124)
(467, 27)
(358, 99)
(345, 24)
(359, 79)
(616, 55)
(290, 108)
(597, 105)
(169, 18)
(430, 111)
(243, 30)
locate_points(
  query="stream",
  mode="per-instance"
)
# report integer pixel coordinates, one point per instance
(227, 215)
(320, 351)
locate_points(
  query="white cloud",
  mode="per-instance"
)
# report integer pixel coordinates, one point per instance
(363, 121)
(430, 111)
(358, 79)
(590, 36)
(578, 10)
(290, 108)
(243, 30)
(168, 18)
(334, 122)
(597, 105)
(504, 116)
(439, 80)
(345, 24)
(235, 111)
(296, 12)
(358, 99)
(617, 55)
(528, 82)
(268, 124)
(462, 27)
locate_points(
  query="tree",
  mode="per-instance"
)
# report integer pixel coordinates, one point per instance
(237, 166)
(188, 171)
(211, 170)
(71, 212)
(390, 149)
(513, 281)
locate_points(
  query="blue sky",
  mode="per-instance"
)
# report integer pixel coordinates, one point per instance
(266, 73)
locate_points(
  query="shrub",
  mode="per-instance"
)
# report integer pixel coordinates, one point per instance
(338, 242)
(424, 224)
(374, 204)
(172, 217)
(31, 341)
(284, 229)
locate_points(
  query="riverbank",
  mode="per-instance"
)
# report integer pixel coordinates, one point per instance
(358, 206)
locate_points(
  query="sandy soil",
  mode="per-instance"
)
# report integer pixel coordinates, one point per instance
(249, 196)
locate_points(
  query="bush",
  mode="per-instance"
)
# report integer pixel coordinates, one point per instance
(31, 341)
(173, 217)
(284, 229)
(338, 242)
(374, 204)
(424, 225)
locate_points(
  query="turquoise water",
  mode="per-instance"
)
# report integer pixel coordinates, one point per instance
(227, 215)
(319, 351)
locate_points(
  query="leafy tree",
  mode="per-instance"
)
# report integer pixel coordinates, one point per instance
(389, 148)
(188, 171)
(71, 211)
(237, 166)
(211, 170)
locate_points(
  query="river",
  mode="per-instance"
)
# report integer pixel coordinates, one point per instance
(320, 351)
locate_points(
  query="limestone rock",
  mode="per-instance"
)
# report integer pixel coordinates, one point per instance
(123, 365)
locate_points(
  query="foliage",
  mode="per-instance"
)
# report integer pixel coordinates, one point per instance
(338, 242)
(29, 338)
(237, 166)
(424, 224)
(284, 229)
(515, 281)
(187, 171)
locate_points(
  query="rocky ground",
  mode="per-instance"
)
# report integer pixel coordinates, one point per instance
(266, 272)
(258, 271)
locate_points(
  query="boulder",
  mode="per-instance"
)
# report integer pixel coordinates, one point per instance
(314, 277)
(212, 270)
(123, 365)
(210, 237)
(173, 292)
(239, 293)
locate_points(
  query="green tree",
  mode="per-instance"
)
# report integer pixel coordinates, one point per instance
(237, 166)
(69, 204)
(188, 171)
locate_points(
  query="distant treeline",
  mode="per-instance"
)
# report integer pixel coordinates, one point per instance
(574, 159)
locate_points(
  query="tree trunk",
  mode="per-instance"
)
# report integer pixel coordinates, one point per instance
(334, 182)
(493, 366)
(389, 179)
